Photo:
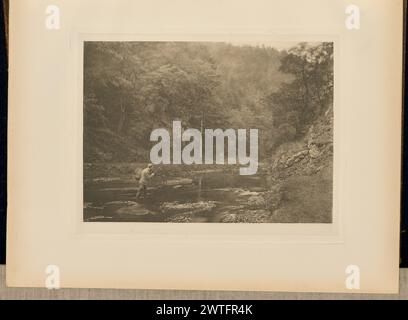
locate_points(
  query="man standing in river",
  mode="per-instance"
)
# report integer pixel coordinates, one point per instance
(145, 176)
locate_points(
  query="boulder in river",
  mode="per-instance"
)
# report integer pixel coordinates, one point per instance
(247, 216)
(194, 207)
(132, 208)
(256, 202)
(91, 206)
(180, 218)
(242, 192)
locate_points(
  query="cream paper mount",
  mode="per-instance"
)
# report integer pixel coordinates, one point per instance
(89, 83)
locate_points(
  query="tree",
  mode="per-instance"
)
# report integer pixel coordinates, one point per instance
(300, 102)
(132, 88)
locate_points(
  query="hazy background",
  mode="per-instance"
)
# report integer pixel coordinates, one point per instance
(284, 90)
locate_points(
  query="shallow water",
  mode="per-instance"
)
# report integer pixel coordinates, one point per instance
(203, 198)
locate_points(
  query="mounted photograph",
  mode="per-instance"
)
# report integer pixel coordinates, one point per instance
(208, 132)
(153, 148)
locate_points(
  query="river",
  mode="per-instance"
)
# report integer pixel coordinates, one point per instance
(206, 197)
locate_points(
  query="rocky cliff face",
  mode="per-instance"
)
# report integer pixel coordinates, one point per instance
(301, 176)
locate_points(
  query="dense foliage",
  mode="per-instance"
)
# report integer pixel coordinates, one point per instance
(131, 88)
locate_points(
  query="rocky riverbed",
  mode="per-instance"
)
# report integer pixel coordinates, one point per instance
(202, 197)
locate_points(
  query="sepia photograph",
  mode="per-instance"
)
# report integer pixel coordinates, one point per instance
(154, 152)
(200, 132)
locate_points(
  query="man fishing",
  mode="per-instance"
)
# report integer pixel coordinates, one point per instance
(145, 176)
